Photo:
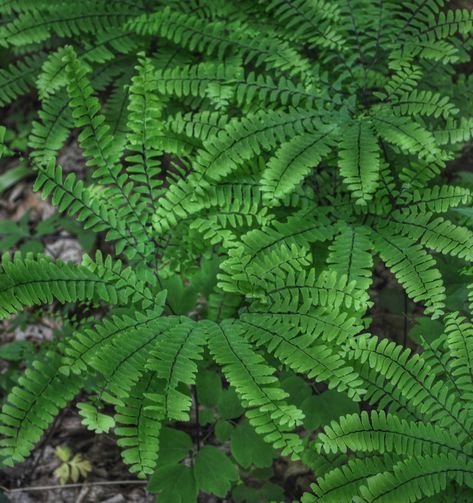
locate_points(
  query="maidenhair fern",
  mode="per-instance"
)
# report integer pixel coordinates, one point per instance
(418, 444)
(249, 165)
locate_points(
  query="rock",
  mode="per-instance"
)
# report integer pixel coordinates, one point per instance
(118, 498)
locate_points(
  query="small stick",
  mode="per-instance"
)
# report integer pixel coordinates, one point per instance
(71, 486)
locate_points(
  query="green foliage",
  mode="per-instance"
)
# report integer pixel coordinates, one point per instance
(214, 472)
(416, 450)
(251, 166)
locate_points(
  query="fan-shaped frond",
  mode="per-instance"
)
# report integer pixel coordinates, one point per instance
(424, 103)
(439, 235)
(408, 135)
(340, 484)
(144, 124)
(246, 138)
(71, 196)
(89, 345)
(438, 199)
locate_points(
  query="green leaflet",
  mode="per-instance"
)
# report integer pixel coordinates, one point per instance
(32, 406)
(257, 387)
(258, 171)
(359, 160)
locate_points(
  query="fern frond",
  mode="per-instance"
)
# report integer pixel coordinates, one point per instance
(384, 395)
(255, 383)
(28, 281)
(438, 199)
(413, 478)
(459, 340)
(300, 292)
(293, 161)
(414, 380)
(438, 234)
(195, 80)
(177, 205)
(381, 432)
(403, 80)
(350, 255)
(139, 423)
(87, 344)
(359, 160)
(52, 76)
(116, 115)
(124, 278)
(18, 79)
(173, 359)
(200, 125)
(339, 485)
(414, 268)
(214, 38)
(264, 89)
(88, 17)
(455, 131)
(71, 196)
(103, 49)
(418, 173)
(31, 406)
(144, 124)
(447, 24)
(300, 353)
(408, 135)
(310, 21)
(437, 356)
(96, 141)
(299, 230)
(50, 133)
(246, 138)
(121, 358)
(425, 103)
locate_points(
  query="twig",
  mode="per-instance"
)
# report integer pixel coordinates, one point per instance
(71, 486)
(42, 446)
(83, 493)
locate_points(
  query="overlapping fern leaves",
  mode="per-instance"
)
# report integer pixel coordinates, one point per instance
(419, 450)
(295, 142)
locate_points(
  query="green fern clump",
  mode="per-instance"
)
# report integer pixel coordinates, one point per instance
(248, 166)
(417, 443)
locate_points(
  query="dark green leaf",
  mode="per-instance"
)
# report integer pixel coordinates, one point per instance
(174, 484)
(214, 472)
(248, 448)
